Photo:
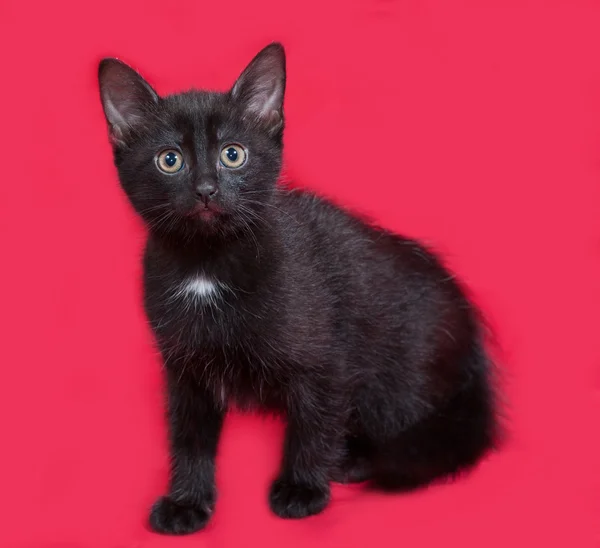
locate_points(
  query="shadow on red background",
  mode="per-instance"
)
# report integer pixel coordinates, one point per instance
(474, 127)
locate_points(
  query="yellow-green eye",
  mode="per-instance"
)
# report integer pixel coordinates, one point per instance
(233, 156)
(169, 161)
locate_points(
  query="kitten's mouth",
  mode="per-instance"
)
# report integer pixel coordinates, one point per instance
(206, 212)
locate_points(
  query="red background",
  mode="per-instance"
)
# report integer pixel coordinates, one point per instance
(472, 125)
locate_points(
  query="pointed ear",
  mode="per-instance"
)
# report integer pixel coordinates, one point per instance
(127, 98)
(261, 87)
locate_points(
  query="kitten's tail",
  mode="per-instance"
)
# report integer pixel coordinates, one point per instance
(451, 440)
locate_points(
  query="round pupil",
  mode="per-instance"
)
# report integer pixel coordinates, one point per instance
(171, 159)
(232, 154)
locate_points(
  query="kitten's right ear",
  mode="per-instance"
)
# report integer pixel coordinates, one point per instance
(126, 97)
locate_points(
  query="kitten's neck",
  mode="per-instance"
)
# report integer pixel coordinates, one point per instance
(242, 259)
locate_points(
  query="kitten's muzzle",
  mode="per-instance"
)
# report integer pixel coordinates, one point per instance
(205, 192)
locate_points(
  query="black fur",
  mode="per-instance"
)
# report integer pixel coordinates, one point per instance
(359, 336)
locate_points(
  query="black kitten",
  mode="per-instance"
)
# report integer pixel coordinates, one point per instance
(276, 299)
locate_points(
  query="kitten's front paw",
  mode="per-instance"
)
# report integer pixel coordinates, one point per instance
(178, 518)
(294, 500)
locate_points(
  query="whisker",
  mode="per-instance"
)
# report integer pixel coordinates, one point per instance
(256, 202)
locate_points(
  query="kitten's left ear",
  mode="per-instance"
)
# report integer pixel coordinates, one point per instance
(127, 98)
(261, 87)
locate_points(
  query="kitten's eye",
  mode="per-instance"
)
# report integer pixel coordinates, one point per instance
(233, 156)
(169, 161)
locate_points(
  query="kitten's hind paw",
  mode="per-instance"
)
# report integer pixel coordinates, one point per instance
(177, 518)
(295, 500)
(353, 471)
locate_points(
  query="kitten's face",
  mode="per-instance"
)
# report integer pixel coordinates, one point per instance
(198, 162)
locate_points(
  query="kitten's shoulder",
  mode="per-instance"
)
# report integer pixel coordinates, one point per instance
(323, 220)
(306, 205)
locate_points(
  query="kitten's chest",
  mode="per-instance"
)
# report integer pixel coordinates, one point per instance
(197, 294)
(197, 308)
(207, 331)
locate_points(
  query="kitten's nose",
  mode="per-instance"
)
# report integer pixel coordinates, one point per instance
(206, 191)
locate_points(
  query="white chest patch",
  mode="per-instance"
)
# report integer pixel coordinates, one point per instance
(201, 287)
(201, 290)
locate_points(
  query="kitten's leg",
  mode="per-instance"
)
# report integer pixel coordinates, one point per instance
(195, 422)
(356, 464)
(311, 449)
